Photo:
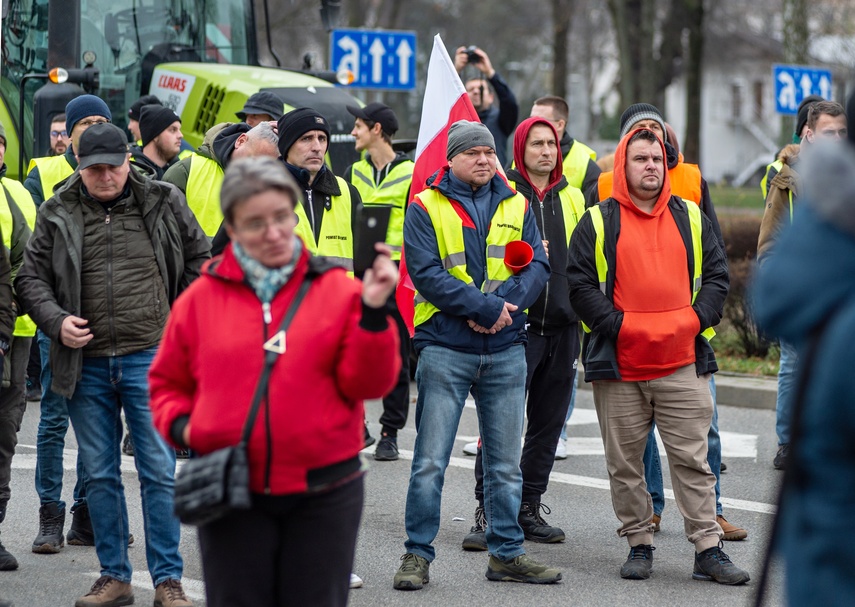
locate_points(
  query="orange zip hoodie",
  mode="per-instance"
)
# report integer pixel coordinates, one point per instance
(652, 285)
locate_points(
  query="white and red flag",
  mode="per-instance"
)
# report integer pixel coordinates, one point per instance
(445, 103)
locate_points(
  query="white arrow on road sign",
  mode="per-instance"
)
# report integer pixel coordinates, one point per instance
(806, 85)
(404, 53)
(350, 61)
(825, 88)
(376, 51)
(787, 96)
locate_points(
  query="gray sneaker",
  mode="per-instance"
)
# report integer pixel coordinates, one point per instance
(715, 566)
(413, 573)
(639, 563)
(521, 569)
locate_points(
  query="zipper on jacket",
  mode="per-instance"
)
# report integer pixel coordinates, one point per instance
(110, 311)
(546, 288)
(267, 317)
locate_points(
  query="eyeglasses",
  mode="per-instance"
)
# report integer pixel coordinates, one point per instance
(257, 227)
(62, 133)
(90, 122)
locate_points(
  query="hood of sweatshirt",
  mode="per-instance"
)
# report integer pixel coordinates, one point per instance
(520, 137)
(620, 189)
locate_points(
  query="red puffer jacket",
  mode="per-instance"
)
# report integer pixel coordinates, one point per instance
(211, 358)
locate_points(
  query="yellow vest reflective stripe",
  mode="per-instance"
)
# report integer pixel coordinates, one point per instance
(336, 238)
(572, 207)
(52, 170)
(696, 229)
(575, 164)
(392, 191)
(505, 226)
(204, 180)
(24, 325)
(764, 186)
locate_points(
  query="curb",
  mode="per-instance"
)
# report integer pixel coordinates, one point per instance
(733, 390)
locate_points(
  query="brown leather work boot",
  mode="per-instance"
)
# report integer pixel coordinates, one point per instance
(731, 532)
(656, 522)
(107, 592)
(170, 594)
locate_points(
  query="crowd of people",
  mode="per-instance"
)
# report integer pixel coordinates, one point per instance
(153, 277)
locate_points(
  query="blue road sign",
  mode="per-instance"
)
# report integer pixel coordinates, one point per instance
(378, 59)
(795, 82)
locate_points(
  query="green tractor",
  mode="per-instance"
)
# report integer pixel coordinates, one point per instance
(200, 57)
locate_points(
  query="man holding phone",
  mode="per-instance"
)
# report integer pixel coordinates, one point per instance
(383, 178)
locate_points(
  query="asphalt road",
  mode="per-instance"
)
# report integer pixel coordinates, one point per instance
(578, 497)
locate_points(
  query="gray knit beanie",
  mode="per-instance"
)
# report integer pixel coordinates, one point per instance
(638, 112)
(463, 135)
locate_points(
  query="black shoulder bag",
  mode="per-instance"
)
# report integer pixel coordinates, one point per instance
(211, 486)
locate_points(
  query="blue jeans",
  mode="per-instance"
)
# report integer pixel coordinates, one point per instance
(95, 414)
(786, 385)
(653, 465)
(497, 382)
(50, 442)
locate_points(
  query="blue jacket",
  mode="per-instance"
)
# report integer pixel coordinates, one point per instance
(457, 301)
(805, 290)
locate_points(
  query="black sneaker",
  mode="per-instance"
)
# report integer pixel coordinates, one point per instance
(7, 561)
(34, 391)
(534, 527)
(639, 563)
(387, 449)
(476, 539)
(723, 467)
(51, 522)
(369, 440)
(128, 445)
(780, 461)
(715, 566)
(80, 533)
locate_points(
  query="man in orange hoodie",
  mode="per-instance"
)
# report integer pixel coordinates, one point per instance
(649, 279)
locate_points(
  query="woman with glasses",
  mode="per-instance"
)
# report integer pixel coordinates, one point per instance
(295, 546)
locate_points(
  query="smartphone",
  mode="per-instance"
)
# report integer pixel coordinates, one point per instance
(372, 222)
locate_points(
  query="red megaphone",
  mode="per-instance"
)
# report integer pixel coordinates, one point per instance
(518, 254)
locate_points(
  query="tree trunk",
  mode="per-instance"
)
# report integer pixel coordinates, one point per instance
(694, 77)
(562, 11)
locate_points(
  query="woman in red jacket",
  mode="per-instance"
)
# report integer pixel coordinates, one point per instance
(296, 544)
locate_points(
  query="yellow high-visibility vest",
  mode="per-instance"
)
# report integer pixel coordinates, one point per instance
(336, 237)
(505, 226)
(24, 325)
(696, 228)
(575, 163)
(204, 180)
(52, 170)
(392, 191)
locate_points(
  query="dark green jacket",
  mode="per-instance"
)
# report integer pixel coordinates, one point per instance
(49, 283)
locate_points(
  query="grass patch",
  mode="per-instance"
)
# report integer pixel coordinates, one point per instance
(726, 197)
(730, 355)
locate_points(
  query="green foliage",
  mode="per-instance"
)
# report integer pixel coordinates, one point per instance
(610, 128)
(727, 197)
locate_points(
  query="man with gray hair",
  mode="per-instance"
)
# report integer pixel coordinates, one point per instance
(470, 302)
(201, 175)
(110, 252)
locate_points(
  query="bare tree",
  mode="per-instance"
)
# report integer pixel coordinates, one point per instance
(562, 11)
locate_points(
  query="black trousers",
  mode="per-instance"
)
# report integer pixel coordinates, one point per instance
(550, 371)
(12, 405)
(396, 404)
(286, 550)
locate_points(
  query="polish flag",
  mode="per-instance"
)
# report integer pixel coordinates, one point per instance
(445, 103)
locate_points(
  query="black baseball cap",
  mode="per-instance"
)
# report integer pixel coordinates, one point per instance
(377, 112)
(103, 143)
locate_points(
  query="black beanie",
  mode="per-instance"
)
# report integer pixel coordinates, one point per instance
(298, 122)
(154, 119)
(802, 116)
(137, 106)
